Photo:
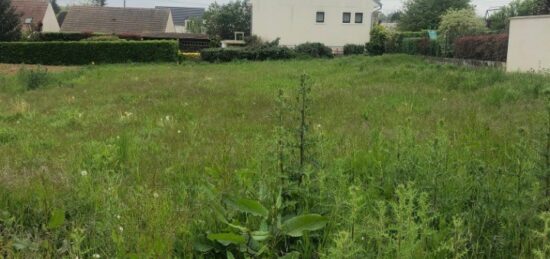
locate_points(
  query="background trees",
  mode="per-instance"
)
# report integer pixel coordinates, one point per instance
(426, 14)
(222, 21)
(10, 24)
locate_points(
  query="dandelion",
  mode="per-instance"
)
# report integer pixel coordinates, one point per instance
(84, 173)
(96, 256)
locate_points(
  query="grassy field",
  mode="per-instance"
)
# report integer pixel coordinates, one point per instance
(388, 157)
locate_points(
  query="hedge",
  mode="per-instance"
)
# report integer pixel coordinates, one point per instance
(230, 54)
(314, 49)
(86, 52)
(419, 46)
(353, 49)
(482, 47)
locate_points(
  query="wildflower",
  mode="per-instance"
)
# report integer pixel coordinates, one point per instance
(117, 216)
(96, 256)
(156, 195)
(120, 228)
(179, 131)
(167, 118)
(84, 173)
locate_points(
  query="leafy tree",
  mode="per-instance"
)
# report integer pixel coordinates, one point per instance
(426, 14)
(457, 23)
(395, 16)
(222, 21)
(10, 23)
(500, 20)
(195, 25)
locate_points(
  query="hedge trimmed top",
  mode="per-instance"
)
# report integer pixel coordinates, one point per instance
(87, 52)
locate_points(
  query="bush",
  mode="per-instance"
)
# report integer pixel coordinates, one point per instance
(103, 38)
(33, 79)
(394, 39)
(230, 54)
(80, 53)
(482, 47)
(377, 44)
(316, 50)
(455, 24)
(419, 46)
(352, 49)
(61, 36)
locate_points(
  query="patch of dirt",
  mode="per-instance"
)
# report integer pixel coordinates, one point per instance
(10, 69)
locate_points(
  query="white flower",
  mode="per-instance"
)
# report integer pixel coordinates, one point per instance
(84, 173)
(120, 228)
(96, 256)
(167, 118)
(156, 195)
(179, 131)
(117, 216)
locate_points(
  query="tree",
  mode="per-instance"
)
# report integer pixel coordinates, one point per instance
(458, 23)
(500, 20)
(222, 21)
(10, 22)
(426, 14)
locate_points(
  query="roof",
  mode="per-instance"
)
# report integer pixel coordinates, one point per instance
(31, 9)
(187, 36)
(182, 14)
(115, 20)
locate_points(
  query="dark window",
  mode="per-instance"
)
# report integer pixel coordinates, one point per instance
(346, 18)
(358, 17)
(320, 18)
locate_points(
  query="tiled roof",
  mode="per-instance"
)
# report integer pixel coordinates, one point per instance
(115, 20)
(35, 9)
(181, 14)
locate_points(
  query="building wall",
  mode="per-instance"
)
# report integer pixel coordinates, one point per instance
(294, 21)
(170, 28)
(529, 45)
(49, 23)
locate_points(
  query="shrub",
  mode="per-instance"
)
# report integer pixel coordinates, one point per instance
(378, 36)
(352, 49)
(61, 36)
(33, 79)
(230, 54)
(80, 53)
(455, 24)
(482, 47)
(394, 39)
(419, 46)
(103, 38)
(315, 49)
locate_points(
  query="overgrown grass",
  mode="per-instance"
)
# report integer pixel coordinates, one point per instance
(407, 159)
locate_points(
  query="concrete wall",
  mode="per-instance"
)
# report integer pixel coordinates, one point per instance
(294, 21)
(529, 46)
(49, 23)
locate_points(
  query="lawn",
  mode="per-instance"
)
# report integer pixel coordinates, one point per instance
(390, 157)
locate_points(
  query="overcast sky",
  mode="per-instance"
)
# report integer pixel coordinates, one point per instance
(389, 5)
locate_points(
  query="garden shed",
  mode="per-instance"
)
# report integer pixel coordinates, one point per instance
(529, 45)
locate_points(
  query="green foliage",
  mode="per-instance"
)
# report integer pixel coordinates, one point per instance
(230, 54)
(455, 24)
(222, 21)
(377, 43)
(103, 38)
(34, 79)
(500, 20)
(195, 25)
(314, 50)
(426, 14)
(483, 47)
(61, 36)
(419, 46)
(10, 23)
(352, 49)
(79, 53)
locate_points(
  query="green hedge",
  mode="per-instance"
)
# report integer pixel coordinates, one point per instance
(314, 49)
(230, 54)
(80, 53)
(353, 49)
(420, 46)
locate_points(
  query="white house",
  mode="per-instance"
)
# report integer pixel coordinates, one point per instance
(36, 15)
(332, 22)
(529, 45)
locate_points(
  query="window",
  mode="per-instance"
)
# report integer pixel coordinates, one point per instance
(358, 17)
(320, 17)
(346, 18)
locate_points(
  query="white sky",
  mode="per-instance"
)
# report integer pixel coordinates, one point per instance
(389, 5)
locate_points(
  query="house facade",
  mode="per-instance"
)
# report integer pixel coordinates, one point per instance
(36, 15)
(529, 44)
(334, 23)
(183, 15)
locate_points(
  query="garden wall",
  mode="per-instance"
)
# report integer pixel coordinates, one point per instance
(529, 46)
